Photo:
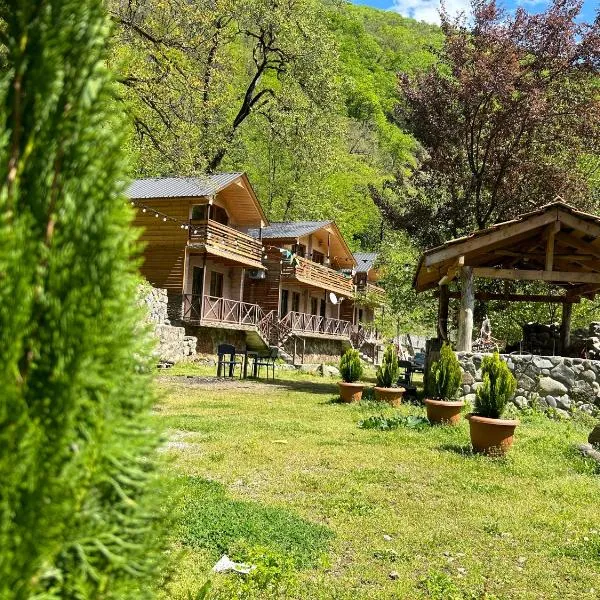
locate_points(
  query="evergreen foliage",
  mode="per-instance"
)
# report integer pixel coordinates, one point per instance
(351, 368)
(75, 521)
(387, 372)
(444, 375)
(498, 387)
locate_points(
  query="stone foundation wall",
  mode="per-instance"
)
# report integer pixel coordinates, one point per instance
(208, 338)
(553, 383)
(173, 343)
(316, 351)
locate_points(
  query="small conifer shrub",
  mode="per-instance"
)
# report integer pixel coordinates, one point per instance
(351, 368)
(387, 373)
(444, 375)
(498, 387)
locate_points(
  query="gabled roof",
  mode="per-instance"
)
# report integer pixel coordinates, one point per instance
(288, 229)
(365, 261)
(180, 187)
(517, 249)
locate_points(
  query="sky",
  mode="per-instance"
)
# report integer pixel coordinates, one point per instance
(427, 10)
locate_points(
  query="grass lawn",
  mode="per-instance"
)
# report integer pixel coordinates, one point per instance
(281, 476)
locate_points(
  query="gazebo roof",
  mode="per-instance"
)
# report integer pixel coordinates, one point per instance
(556, 244)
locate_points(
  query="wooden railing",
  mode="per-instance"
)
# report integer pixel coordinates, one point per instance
(226, 239)
(296, 322)
(365, 334)
(313, 273)
(202, 310)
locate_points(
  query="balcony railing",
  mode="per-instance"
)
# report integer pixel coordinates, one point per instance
(312, 273)
(296, 322)
(209, 310)
(226, 241)
(365, 334)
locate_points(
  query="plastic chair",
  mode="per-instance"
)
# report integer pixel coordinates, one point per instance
(266, 361)
(224, 351)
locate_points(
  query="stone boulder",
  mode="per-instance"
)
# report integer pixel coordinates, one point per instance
(551, 387)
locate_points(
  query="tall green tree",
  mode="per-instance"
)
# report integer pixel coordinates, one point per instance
(74, 467)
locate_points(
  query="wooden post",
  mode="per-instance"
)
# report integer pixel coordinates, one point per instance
(467, 304)
(442, 324)
(565, 327)
(553, 228)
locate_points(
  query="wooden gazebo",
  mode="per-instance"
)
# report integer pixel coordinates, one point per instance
(555, 244)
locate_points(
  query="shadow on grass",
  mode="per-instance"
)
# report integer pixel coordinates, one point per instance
(209, 519)
(313, 387)
(461, 449)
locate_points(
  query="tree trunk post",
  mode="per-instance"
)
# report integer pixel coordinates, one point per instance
(442, 324)
(467, 304)
(565, 327)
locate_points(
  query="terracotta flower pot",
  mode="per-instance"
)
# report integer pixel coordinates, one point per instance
(491, 436)
(393, 396)
(443, 412)
(350, 392)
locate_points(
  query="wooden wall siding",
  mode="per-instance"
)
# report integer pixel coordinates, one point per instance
(242, 205)
(155, 230)
(347, 311)
(163, 267)
(265, 292)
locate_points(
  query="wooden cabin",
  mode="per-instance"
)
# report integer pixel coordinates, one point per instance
(209, 244)
(197, 248)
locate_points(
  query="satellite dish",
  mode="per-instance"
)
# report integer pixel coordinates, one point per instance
(333, 298)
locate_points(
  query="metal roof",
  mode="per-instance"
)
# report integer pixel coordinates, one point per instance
(365, 261)
(180, 187)
(291, 229)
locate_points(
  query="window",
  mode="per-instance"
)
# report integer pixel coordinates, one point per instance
(296, 302)
(318, 257)
(199, 212)
(216, 284)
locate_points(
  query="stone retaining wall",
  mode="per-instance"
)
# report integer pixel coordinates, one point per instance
(553, 383)
(173, 343)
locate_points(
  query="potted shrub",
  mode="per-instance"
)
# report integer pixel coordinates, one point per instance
(489, 433)
(387, 377)
(351, 370)
(443, 382)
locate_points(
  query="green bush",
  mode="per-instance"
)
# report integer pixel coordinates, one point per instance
(351, 368)
(76, 446)
(444, 376)
(387, 373)
(498, 387)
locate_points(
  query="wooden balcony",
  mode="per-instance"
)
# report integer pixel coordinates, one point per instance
(314, 326)
(371, 294)
(365, 334)
(313, 274)
(226, 242)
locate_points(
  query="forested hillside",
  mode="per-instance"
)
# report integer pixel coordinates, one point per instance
(299, 94)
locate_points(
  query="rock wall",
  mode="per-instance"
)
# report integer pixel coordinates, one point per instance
(208, 338)
(552, 383)
(173, 343)
(316, 350)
